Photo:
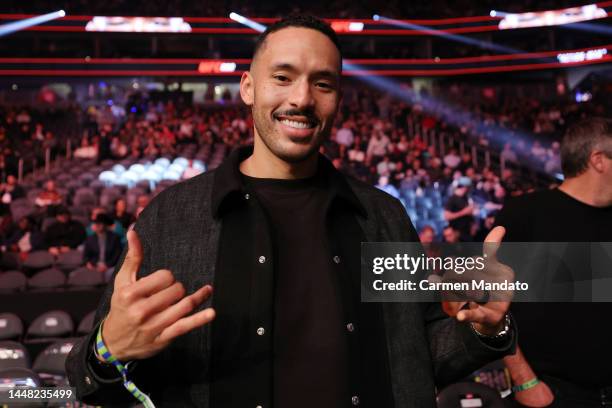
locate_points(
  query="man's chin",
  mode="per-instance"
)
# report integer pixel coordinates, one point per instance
(297, 152)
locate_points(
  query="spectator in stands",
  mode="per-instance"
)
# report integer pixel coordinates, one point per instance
(450, 235)
(25, 238)
(452, 159)
(48, 199)
(485, 227)
(377, 147)
(385, 167)
(345, 136)
(383, 184)
(508, 154)
(553, 163)
(151, 150)
(103, 248)
(86, 150)
(459, 210)
(142, 201)
(65, 234)
(11, 190)
(427, 234)
(117, 227)
(118, 149)
(122, 215)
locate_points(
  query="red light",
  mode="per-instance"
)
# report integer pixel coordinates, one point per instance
(209, 67)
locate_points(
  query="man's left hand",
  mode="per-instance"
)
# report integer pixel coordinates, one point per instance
(487, 318)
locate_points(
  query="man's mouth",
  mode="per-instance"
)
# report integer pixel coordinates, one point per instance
(296, 122)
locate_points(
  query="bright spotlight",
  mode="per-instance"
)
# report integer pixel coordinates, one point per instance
(14, 26)
(247, 22)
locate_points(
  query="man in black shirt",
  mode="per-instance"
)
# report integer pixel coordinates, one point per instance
(568, 350)
(277, 230)
(459, 210)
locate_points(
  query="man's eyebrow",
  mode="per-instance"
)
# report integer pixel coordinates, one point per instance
(324, 73)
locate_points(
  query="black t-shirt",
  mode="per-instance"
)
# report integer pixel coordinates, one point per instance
(310, 367)
(569, 341)
(462, 224)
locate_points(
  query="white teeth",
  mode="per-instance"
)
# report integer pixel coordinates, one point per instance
(295, 124)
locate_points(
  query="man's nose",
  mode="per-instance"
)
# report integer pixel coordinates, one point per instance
(301, 95)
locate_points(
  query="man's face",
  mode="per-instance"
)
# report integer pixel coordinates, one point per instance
(450, 235)
(294, 91)
(427, 236)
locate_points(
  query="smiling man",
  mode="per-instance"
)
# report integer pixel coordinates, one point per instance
(276, 230)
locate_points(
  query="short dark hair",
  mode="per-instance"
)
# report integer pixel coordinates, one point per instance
(580, 140)
(297, 20)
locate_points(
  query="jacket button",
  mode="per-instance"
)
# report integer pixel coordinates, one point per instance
(350, 327)
(262, 259)
(355, 400)
(261, 331)
(337, 259)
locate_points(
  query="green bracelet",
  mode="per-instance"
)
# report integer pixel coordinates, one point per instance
(527, 385)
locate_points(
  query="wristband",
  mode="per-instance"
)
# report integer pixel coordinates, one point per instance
(526, 385)
(106, 355)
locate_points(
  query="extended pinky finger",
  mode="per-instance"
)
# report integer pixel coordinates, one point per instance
(186, 324)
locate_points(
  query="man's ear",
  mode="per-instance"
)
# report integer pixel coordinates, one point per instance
(596, 160)
(246, 88)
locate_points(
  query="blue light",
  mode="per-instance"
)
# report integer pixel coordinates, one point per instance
(449, 36)
(29, 22)
(109, 102)
(133, 109)
(247, 22)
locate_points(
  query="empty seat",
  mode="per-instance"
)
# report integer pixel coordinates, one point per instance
(87, 324)
(53, 324)
(13, 355)
(81, 211)
(12, 281)
(51, 278)
(10, 261)
(85, 199)
(97, 186)
(21, 378)
(37, 260)
(11, 327)
(70, 260)
(83, 277)
(50, 363)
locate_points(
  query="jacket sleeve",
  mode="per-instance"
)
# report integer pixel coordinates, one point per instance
(456, 350)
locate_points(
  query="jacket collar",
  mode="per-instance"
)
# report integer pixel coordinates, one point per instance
(228, 185)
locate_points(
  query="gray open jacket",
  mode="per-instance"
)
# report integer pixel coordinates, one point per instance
(178, 232)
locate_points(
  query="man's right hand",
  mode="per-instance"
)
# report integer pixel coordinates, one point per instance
(147, 314)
